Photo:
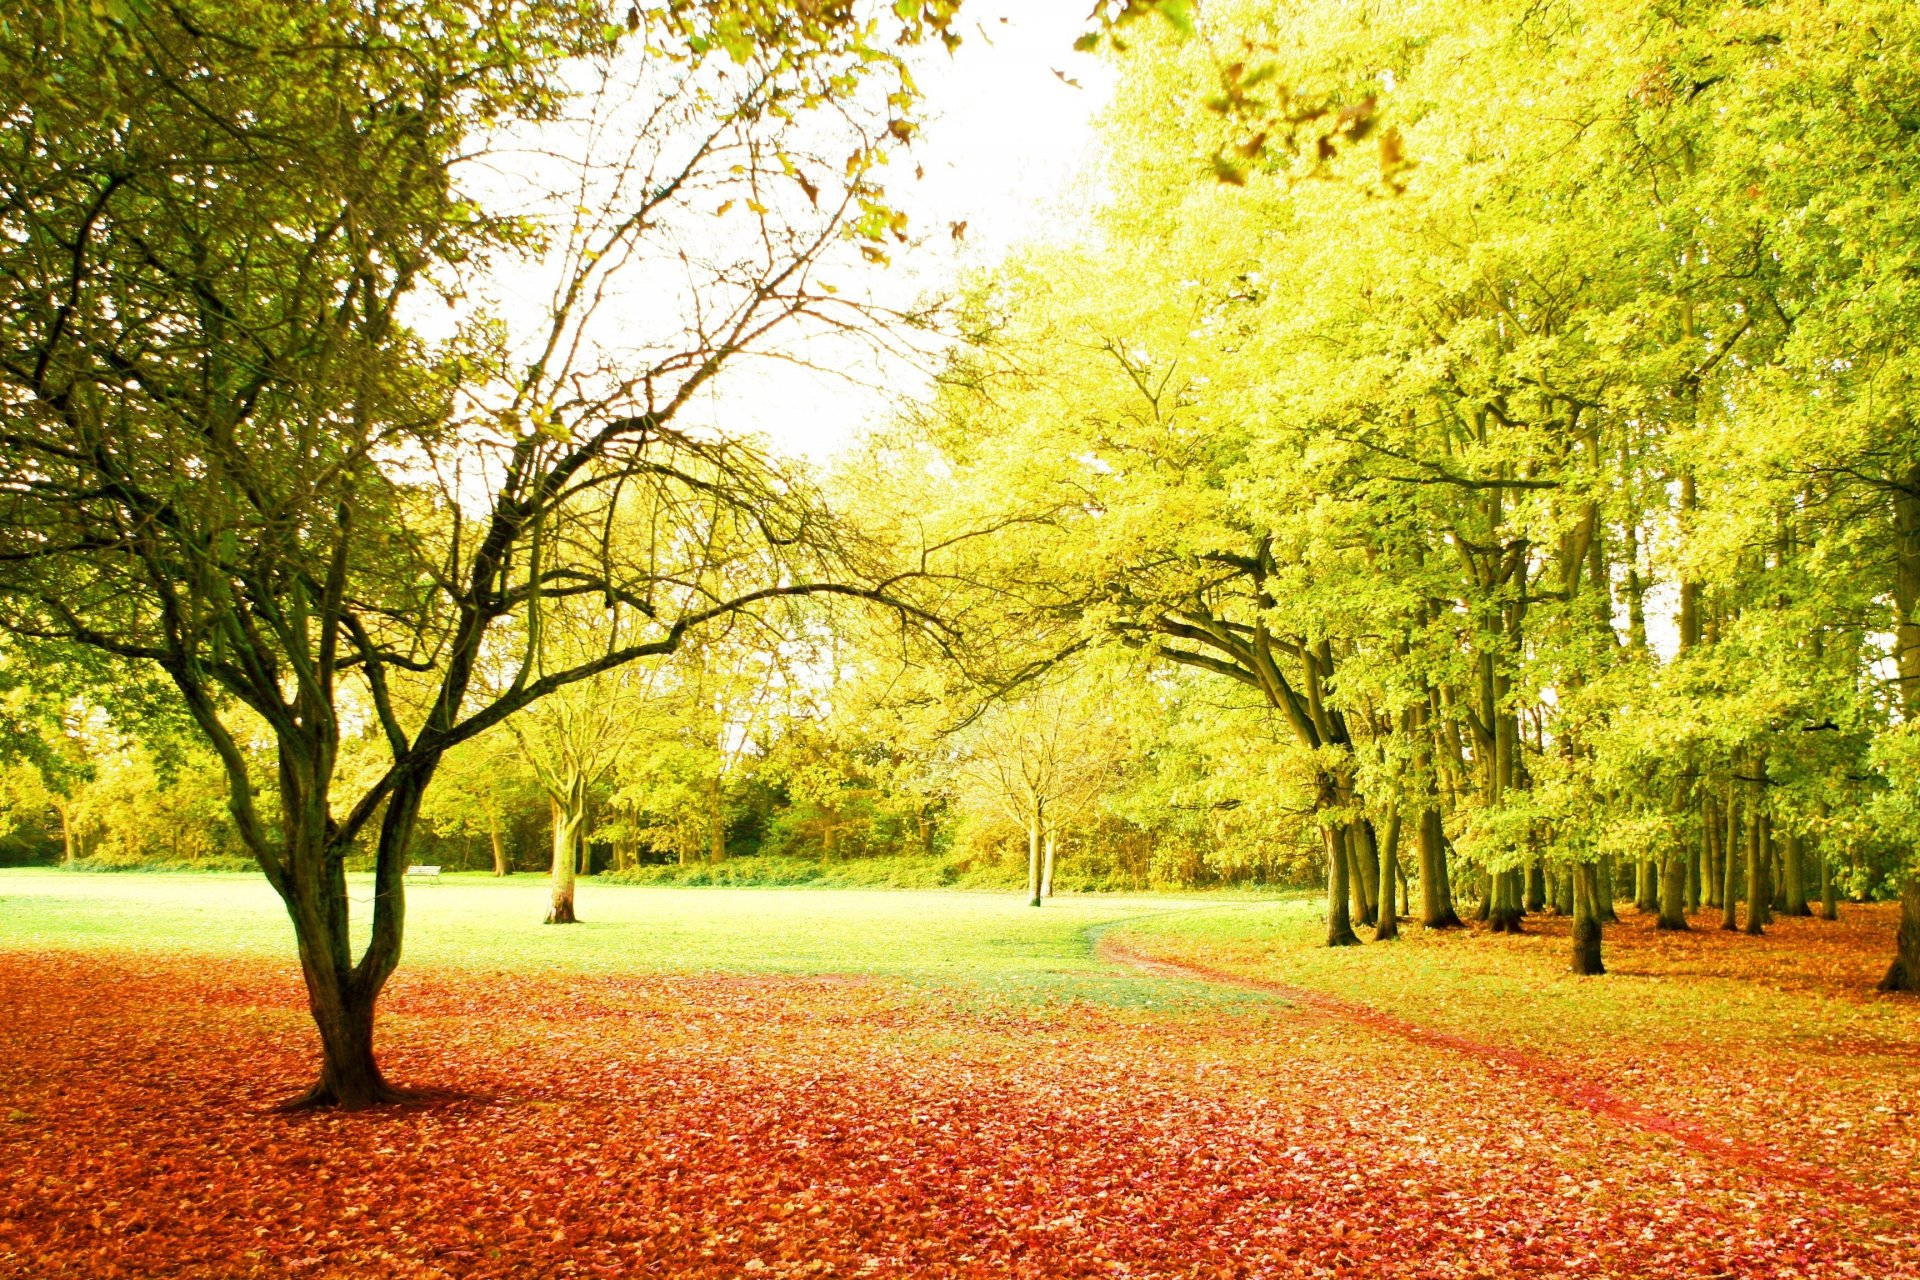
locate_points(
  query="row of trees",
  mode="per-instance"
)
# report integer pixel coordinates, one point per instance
(1545, 476)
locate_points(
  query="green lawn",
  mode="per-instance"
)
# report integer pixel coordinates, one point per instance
(474, 921)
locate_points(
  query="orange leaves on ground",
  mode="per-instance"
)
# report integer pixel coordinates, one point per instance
(730, 1127)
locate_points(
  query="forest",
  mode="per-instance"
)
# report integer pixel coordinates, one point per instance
(1447, 468)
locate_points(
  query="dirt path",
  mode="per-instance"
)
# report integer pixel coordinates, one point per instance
(1563, 1084)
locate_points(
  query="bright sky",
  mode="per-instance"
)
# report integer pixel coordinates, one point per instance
(1004, 141)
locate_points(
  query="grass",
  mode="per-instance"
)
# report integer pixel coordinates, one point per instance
(473, 921)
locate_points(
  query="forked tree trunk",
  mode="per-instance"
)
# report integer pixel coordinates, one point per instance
(1904, 973)
(1339, 923)
(1436, 899)
(1673, 893)
(1586, 921)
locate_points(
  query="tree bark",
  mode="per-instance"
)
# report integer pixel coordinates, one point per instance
(499, 849)
(1366, 860)
(1034, 839)
(1436, 902)
(1339, 924)
(1793, 868)
(1504, 914)
(1829, 888)
(1536, 886)
(1673, 893)
(1387, 922)
(1603, 878)
(1730, 867)
(1586, 921)
(1904, 973)
(566, 828)
(1759, 893)
(1046, 862)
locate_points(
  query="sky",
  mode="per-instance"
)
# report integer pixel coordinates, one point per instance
(1005, 139)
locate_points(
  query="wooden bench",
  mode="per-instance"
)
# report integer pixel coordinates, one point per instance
(423, 873)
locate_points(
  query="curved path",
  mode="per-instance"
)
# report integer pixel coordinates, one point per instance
(1566, 1086)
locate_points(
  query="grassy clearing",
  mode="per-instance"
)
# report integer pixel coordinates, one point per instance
(993, 943)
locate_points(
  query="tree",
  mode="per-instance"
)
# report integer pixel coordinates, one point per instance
(230, 457)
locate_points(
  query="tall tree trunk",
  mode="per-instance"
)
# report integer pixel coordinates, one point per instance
(1759, 893)
(1339, 923)
(1436, 900)
(1829, 887)
(1035, 838)
(1586, 921)
(1387, 923)
(1904, 973)
(1793, 868)
(1646, 886)
(1693, 876)
(1712, 832)
(1673, 893)
(566, 828)
(1730, 867)
(1366, 861)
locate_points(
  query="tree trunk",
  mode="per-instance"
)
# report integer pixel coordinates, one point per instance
(1366, 860)
(499, 849)
(1563, 893)
(1730, 868)
(1586, 921)
(1483, 909)
(1829, 888)
(1759, 893)
(1034, 841)
(1436, 902)
(566, 828)
(1673, 893)
(1387, 922)
(1646, 886)
(1504, 915)
(1603, 878)
(1904, 973)
(1712, 832)
(1693, 874)
(1793, 868)
(1536, 886)
(1339, 924)
(1046, 862)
